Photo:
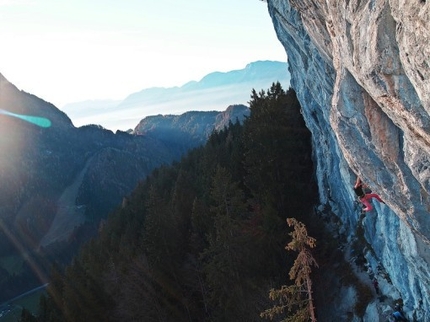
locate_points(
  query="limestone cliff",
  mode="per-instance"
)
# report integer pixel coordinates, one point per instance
(361, 70)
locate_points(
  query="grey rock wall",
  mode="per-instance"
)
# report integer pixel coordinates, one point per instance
(361, 70)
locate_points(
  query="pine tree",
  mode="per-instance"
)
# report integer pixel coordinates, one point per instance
(223, 258)
(277, 149)
(297, 298)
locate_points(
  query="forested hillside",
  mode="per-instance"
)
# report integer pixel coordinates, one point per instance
(203, 239)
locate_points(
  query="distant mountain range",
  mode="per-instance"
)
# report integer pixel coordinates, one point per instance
(214, 92)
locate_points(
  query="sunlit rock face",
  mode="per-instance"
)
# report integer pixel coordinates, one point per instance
(361, 70)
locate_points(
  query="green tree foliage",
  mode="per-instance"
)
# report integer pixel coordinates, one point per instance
(277, 157)
(297, 298)
(278, 166)
(224, 257)
(201, 239)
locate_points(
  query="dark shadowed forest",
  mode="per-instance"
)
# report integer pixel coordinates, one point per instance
(203, 239)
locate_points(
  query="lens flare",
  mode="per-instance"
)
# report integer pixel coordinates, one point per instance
(24, 253)
(36, 120)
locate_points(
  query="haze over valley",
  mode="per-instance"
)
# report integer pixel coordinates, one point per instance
(214, 92)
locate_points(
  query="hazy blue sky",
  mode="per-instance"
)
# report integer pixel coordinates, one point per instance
(72, 50)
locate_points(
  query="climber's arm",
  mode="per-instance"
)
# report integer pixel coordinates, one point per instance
(357, 182)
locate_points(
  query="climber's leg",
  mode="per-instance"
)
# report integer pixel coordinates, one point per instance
(374, 195)
(366, 202)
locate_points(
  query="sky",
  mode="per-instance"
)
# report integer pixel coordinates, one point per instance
(66, 51)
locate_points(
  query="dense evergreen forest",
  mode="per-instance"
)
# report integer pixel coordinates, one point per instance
(203, 239)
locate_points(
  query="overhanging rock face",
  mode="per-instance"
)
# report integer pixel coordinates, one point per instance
(361, 70)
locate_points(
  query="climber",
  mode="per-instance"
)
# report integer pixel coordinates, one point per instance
(365, 197)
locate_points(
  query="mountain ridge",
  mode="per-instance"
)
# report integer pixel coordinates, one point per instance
(59, 182)
(192, 128)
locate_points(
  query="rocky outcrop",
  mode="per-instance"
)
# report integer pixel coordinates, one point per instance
(190, 129)
(361, 70)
